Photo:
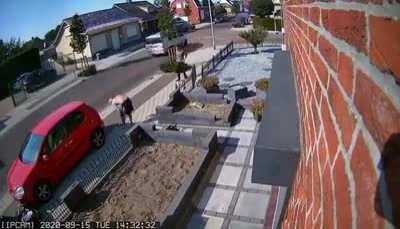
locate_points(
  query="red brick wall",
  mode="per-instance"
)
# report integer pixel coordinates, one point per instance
(194, 14)
(346, 57)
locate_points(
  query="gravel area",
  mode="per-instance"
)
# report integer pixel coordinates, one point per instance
(244, 67)
(215, 109)
(142, 187)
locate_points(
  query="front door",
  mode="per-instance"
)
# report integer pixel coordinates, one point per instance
(115, 39)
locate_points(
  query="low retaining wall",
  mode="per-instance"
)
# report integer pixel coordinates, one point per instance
(168, 114)
(206, 140)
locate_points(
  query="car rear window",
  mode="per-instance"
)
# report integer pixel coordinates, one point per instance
(153, 40)
(31, 148)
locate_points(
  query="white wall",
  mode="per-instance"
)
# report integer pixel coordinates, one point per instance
(63, 47)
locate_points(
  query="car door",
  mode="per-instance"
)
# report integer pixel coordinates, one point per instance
(77, 139)
(55, 147)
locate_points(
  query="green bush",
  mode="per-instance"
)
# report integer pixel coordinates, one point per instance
(90, 70)
(262, 84)
(167, 67)
(14, 66)
(266, 23)
(174, 67)
(258, 109)
(209, 83)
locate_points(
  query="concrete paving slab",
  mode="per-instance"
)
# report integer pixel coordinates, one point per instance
(233, 154)
(226, 175)
(215, 199)
(248, 184)
(246, 124)
(204, 222)
(252, 205)
(243, 225)
(240, 138)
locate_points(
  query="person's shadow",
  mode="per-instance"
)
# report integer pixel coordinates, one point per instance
(387, 196)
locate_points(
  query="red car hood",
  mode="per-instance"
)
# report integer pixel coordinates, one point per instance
(18, 174)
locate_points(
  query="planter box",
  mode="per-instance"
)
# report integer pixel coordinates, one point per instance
(171, 114)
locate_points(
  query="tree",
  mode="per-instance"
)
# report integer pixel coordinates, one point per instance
(262, 8)
(78, 38)
(235, 7)
(35, 42)
(255, 37)
(220, 10)
(165, 23)
(51, 35)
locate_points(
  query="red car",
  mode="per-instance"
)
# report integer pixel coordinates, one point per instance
(52, 148)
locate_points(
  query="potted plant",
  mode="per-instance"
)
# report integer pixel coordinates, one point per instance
(210, 83)
(261, 88)
(258, 109)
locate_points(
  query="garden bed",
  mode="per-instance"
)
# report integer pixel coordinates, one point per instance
(143, 187)
(215, 109)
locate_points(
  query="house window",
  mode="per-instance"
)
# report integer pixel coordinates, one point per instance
(131, 30)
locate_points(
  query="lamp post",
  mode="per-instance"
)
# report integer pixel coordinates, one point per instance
(212, 25)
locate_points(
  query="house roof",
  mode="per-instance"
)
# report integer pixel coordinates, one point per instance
(136, 9)
(96, 19)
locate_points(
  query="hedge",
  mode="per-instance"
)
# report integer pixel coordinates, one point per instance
(12, 67)
(267, 23)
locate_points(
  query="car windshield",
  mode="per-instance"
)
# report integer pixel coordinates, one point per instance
(31, 148)
(153, 40)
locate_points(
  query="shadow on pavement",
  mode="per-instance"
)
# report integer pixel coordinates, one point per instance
(3, 120)
(93, 201)
(191, 47)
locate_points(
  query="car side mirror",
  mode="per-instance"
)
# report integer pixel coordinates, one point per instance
(45, 157)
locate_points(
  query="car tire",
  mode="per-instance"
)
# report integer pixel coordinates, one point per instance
(98, 138)
(185, 43)
(43, 191)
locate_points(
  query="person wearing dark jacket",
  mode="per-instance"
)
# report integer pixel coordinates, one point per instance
(127, 108)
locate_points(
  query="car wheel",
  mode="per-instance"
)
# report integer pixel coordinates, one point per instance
(185, 43)
(98, 138)
(43, 191)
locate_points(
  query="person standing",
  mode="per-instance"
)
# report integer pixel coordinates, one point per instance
(128, 109)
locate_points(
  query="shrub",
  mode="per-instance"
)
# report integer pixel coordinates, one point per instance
(209, 83)
(90, 70)
(167, 67)
(174, 67)
(262, 84)
(266, 23)
(255, 37)
(258, 109)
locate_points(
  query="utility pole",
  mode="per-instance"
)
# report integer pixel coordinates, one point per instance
(212, 24)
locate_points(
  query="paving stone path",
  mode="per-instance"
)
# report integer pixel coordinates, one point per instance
(230, 199)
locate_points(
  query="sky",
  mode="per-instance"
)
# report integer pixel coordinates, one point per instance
(25, 19)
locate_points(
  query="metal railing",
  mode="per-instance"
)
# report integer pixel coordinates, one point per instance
(216, 59)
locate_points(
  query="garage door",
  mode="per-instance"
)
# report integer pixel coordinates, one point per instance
(99, 42)
(132, 30)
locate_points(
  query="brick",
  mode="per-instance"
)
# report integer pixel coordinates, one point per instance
(328, 51)
(344, 117)
(316, 187)
(379, 114)
(345, 74)
(321, 68)
(315, 14)
(327, 199)
(330, 132)
(323, 154)
(349, 25)
(313, 36)
(342, 194)
(366, 183)
(384, 45)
